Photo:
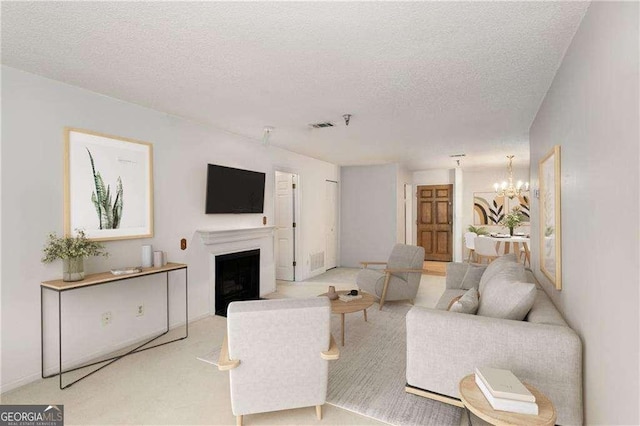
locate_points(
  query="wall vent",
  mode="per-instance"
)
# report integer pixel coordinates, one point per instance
(322, 125)
(316, 261)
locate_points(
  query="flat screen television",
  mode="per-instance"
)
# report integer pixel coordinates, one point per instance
(232, 190)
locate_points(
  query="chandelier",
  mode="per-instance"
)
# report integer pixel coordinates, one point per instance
(508, 189)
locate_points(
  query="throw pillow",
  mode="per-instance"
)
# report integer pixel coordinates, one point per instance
(472, 276)
(454, 300)
(468, 303)
(506, 271)
(507, 299)
(496, 266)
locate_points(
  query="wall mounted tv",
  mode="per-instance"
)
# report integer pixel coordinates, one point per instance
(232, 190)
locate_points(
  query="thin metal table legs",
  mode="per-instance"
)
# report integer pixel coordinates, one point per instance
(111, 360)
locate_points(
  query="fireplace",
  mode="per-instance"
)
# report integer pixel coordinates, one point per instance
(237, 278)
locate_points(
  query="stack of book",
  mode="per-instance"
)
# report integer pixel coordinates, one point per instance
(504, 391)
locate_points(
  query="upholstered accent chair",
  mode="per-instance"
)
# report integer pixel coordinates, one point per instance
(399, 280)
(277, 353)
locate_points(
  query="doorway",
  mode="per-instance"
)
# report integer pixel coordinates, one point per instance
(331, 230)
(285, 222)
(435, 222)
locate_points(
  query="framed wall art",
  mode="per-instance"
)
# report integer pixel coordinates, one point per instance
(550, 219)
(488, 208)
(521, 201)
(108, 186)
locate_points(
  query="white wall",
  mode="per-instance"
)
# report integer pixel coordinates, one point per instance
(591, 111)
(403, 178)
(35, 111)
(433, 177)
(368, 214)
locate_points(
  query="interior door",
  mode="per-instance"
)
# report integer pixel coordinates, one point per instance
(331, 252)
(285, 219)
(435, 221)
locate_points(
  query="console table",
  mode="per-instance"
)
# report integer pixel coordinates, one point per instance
(103, 278)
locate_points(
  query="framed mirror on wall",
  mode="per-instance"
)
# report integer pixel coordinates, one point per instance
(550, 223)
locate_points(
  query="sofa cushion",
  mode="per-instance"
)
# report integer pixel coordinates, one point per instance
(472, 276)
(494, 267)
(446, 298)
(544, 312)
(454, 300)
(505, 271)
(467, 304)
(507, 299)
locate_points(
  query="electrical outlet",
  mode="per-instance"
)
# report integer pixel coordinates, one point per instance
(140, 310)
(106, 318)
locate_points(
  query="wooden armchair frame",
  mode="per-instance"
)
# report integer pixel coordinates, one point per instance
(387, 278)
(225, 363)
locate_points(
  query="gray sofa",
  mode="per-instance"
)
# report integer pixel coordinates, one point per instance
(443, 346)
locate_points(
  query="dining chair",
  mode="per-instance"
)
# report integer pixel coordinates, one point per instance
(485, 248)
(469, 238)
(525, 256)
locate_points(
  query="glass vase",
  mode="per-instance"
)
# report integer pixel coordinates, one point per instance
(511, 231)
(73, 269)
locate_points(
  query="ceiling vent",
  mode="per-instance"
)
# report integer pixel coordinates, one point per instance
(321, 125)
(457, 155)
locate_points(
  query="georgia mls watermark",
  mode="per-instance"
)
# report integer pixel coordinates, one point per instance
(31, 415)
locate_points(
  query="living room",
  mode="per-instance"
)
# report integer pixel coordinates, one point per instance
(124, 70)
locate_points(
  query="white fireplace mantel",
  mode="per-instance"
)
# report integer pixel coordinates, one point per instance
(231, 240)
(230, 235)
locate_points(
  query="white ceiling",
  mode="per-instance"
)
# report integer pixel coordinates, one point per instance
(423, 80)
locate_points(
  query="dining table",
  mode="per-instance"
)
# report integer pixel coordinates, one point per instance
(516, 240)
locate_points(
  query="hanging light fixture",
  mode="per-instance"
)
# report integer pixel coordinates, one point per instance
(508, 189)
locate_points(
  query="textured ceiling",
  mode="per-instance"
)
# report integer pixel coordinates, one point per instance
(423, 80)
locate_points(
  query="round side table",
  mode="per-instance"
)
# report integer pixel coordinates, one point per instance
(474, 401)
(342, 308)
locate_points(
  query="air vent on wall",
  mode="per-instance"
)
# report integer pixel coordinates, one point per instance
(316, 261)
(321, 125)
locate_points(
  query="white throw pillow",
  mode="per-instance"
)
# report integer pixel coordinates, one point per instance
(507, 299)
(472, 276)
(467, 304)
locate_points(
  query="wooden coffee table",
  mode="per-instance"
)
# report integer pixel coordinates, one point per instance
(342, 308)
(474, 401)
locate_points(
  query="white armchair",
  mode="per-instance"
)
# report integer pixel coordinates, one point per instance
(277, 354)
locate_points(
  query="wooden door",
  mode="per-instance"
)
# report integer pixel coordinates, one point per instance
(435, 222)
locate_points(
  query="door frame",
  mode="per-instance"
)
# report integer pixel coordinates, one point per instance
(337, 212)
(297, 196)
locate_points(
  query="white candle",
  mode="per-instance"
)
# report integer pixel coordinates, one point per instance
(157, 259)
(147, 256)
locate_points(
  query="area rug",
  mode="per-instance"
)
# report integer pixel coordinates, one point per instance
(369, 378)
